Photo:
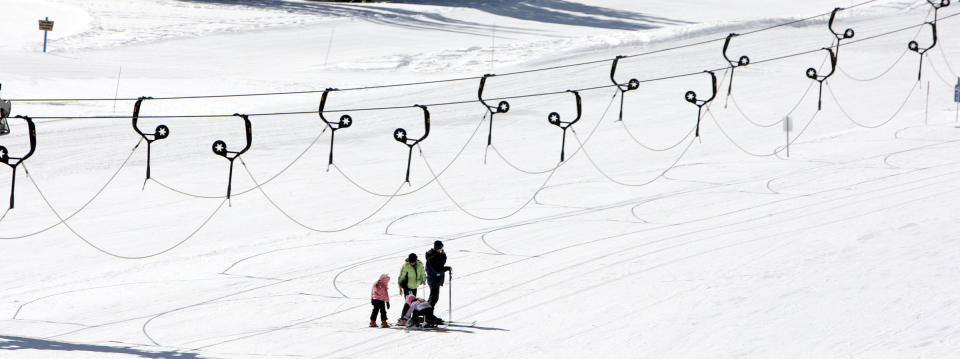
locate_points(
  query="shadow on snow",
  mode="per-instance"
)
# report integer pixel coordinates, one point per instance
(22, 343)
(546, 11)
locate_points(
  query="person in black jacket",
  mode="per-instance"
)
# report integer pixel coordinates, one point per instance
(436, 268)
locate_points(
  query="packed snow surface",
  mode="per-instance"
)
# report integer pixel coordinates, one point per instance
(646, 242)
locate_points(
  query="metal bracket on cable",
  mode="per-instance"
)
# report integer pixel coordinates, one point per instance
(220, 149)
(5, 108)
(345, 121)
(743, 61)
(631, 85)
(915, 47)
(502, 107)
(554, 119)
(691, 97)
(812, 74)
(400, 135)
(937, 6)
(161, 132)
(847, 34)
(13, 162)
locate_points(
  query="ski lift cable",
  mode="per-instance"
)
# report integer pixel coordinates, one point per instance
(311, 228)
(776, 151)
(673, 48)
(889, 68)
(251, 189)
(112, 254)
(461, 102)
(913, 90)
(650, 181)
(88, 202)
(460, 152)
(532, 199)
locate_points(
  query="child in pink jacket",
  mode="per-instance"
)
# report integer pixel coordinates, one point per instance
(380, 300)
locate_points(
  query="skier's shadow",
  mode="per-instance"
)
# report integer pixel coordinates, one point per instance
(22, 343)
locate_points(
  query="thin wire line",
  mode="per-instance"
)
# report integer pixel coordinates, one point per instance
(305, 226)
(87, 203)
(450, 164)
(275, 176)
(776, 150)
(533, 197)
(101, 250)
(451, 103)
(855, 122)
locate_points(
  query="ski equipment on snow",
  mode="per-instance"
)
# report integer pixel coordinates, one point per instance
(220, 149)
(554, 119)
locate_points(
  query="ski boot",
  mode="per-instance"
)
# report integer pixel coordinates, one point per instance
(383, 324)
(402, 323)
(373, 324)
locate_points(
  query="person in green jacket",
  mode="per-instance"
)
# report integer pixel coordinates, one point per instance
(412, 275)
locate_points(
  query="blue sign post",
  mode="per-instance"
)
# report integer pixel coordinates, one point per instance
(45, 26)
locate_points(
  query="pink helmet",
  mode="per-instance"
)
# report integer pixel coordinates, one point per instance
(411, 298)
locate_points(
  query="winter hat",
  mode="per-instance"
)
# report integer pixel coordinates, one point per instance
(412, 258)
(437, 245)
(411, 298)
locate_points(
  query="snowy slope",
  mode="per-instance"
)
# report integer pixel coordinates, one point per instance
(718, 247)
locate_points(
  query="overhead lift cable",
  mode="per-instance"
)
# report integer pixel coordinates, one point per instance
(451, 103)
(417, 83)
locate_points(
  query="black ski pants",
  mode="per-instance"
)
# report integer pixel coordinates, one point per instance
(378, 306)
(434, 295)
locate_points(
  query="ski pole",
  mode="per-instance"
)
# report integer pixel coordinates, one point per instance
(450, 299)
